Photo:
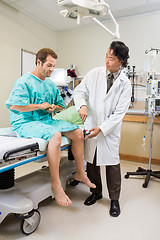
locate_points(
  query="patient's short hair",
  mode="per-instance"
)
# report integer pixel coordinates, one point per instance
(43, 53)
(121, 51)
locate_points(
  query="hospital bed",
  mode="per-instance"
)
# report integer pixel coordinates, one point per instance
(21, 196)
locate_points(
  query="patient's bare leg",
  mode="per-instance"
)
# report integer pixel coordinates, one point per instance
(54, 156)
(77, 147)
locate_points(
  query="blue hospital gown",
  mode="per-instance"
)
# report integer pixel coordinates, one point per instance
(29, 89)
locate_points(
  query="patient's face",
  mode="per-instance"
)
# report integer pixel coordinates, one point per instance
(47, 67)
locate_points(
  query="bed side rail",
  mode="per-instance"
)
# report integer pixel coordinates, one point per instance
(34, 147)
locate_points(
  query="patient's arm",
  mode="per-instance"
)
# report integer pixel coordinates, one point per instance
(31, 107)
(54, 108)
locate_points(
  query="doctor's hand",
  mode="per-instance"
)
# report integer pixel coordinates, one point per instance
(93, 132)
(83, 113)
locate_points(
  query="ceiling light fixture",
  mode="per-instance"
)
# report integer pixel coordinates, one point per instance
(79, 9)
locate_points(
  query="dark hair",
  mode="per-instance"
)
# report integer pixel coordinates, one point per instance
(121, 51)
(43, 53)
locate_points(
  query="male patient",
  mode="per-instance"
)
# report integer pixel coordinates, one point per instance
(33, 99)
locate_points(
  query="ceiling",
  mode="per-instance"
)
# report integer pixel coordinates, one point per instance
(47, 11)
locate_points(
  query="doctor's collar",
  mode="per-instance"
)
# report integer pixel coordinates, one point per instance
(115, 74)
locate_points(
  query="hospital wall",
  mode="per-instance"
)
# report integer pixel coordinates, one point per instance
(17, 32)
(86, 48)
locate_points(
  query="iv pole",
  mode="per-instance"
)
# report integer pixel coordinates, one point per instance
(140, 171)
(147, 172)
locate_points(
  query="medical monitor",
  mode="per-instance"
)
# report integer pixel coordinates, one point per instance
(59, 76)
(153, 87)
(152, 105)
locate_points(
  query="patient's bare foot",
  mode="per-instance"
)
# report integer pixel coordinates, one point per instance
(82, 177)
(60, 196)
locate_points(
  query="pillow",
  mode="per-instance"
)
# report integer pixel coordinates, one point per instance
(69, 115)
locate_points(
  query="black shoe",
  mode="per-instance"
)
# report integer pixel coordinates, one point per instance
(115, 208)
(92, 199)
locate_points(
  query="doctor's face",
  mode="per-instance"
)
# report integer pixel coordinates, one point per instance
(112, 62)
(46, 68)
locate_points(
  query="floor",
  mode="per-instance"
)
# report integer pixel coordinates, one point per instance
(139, 218)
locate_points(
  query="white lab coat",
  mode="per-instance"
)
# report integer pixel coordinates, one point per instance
(105, 111)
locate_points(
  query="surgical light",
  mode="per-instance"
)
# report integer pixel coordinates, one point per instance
(79, 9)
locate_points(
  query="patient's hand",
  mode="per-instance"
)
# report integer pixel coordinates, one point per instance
(45, 105)
(51, 109)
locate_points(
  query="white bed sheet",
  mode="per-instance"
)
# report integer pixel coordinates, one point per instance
(9, 141)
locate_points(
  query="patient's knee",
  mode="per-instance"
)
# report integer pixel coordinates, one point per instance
(56, 139)
(79, 134)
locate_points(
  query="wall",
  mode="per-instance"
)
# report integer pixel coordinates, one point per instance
(132, 141)
(87, 46)
(18, 31)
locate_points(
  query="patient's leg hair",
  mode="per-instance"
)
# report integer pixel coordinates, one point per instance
(53, 157)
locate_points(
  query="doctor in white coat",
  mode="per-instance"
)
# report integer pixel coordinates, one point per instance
(102, 99)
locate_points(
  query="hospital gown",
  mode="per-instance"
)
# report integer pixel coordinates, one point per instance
(31, 90)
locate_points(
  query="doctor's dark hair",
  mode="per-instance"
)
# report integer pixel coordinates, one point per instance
(43, 53)
(121, 51)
